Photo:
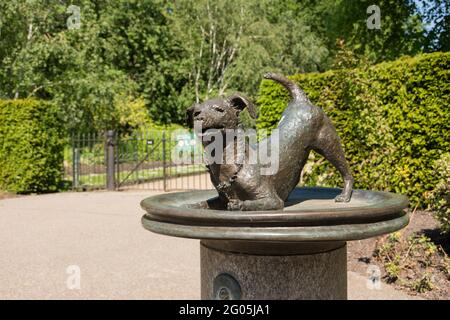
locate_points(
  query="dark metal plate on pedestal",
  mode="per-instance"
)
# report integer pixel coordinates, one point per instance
(226, 287)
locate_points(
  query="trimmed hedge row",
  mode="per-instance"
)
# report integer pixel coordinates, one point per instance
(31, 146)
(393, 119)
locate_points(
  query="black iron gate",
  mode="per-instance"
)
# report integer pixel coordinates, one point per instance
(129, 161)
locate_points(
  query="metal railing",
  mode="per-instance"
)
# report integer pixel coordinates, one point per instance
(127, 161)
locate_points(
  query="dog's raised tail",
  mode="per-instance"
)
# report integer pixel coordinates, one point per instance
(295, 92)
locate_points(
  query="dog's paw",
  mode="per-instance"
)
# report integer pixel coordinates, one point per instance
(234, 205)
(342, 198)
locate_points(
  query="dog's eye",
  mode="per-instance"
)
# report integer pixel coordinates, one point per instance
(220, 109)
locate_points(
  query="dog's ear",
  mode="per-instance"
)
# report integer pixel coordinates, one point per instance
(189, 117)
(240, 102)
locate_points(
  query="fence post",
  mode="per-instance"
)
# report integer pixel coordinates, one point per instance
(76, 167)
(164, 160)
(110, 157)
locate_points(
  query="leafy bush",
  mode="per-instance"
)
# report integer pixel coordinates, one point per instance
(31, 146)
(440, 197)
(393, 120)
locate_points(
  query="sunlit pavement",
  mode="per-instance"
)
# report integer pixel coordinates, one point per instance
(47, 240)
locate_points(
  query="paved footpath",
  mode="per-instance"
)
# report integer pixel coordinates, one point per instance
(46, 239)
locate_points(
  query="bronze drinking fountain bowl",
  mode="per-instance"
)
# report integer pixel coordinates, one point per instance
(296, 253)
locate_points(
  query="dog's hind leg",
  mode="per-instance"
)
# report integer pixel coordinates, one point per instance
(329, 145)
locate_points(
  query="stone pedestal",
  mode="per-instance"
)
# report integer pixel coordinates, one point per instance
(295, 253)
(227, 275)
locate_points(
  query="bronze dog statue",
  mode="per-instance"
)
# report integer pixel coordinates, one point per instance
(303, 127)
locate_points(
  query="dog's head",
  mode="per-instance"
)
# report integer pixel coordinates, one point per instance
(219, 113)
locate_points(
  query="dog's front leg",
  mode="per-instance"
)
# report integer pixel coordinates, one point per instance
(266, 203)
(216, 203)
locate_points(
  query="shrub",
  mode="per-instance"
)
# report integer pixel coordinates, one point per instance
(393, 120)
(31, 146)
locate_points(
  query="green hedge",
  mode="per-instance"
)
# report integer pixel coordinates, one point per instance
(31, 146)
(393, 119)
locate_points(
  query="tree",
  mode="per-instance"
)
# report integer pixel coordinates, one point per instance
(137, 40)
(229, 44)
(121, 49)
(436, 15)
(170, 54)
(401, 31)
